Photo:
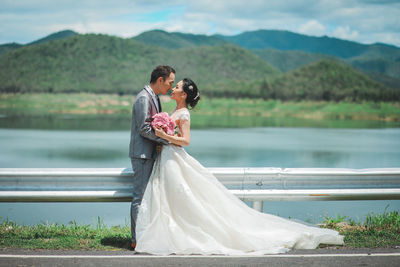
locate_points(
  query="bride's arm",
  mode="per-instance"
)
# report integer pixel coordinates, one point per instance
(183, 140)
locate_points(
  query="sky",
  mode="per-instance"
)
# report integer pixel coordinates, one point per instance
(364, 21)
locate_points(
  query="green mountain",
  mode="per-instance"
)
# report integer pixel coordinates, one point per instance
(284, 50)
(328, 80)
(384, 79)
(4, 48)
(177, 39)
(379, 69)
(377, 58)
(380, 61)
(55, 36)
(288, 60)
(106, 64)
(285, 40)
(378, 65)
(274, 39)
(287, 51)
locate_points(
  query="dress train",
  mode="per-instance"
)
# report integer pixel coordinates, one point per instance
(186, 210)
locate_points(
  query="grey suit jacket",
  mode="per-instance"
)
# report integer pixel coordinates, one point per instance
(143, 139)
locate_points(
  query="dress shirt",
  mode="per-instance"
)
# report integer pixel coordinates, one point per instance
(154, 96)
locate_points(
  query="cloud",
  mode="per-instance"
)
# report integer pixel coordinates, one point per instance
(312, 27)
(345, 33)
(365, 21)
(25, 21)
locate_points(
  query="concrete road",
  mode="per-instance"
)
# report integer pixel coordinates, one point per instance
(318, 257)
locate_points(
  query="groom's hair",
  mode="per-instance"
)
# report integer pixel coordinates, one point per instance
(161, 71)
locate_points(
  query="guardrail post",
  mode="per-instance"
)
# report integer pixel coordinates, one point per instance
(258, 205)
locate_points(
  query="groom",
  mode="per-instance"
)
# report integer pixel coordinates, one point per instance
(143, 144)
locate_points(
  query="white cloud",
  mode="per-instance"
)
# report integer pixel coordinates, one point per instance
(26, 21)
(312, 27)
(345, 33)
(365, 21)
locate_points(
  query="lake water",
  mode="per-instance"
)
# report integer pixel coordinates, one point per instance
(252, 147)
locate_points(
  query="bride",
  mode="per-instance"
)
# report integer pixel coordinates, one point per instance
(186, 210)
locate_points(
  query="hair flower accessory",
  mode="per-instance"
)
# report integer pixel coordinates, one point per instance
(191, 87)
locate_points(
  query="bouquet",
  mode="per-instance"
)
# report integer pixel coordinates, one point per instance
(164, 121)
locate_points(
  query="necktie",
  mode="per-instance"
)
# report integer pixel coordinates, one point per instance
(159, 103)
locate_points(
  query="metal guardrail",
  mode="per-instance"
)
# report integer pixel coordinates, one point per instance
(249, 184)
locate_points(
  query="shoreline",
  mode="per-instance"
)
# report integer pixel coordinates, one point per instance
(210, 112)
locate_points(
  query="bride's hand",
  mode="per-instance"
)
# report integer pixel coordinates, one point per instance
(160, 132)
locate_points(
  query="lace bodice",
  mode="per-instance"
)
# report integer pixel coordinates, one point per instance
(181, 115)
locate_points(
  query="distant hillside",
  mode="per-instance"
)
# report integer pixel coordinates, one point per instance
(285, 40)
(283, 60)
(288, 60)
(377, 69)
(177, 39)
(378, 65)
(224, 70)
(363, 56)
(286, 50)
(106, 64)
(328, 80)
(83, 63)
(55, 36)
(4, 48)
(380, 59)
(385, 80)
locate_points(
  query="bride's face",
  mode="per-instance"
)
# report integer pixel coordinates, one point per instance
(177, 92)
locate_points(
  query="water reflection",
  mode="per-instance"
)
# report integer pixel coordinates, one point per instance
(67, 122)
(77, 153)
(252, 147)
(119, 122)
(297, 147)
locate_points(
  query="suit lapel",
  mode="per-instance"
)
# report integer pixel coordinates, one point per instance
(152, 100)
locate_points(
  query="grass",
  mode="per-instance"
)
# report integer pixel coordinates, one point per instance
(77, 104)
(378, 231)
(212, 112)
(71, 236)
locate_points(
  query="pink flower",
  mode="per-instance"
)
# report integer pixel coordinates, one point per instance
(164, 121)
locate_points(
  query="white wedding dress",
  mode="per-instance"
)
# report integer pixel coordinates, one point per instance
(186, 210)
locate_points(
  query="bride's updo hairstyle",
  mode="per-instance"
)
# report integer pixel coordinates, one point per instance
(193, 94)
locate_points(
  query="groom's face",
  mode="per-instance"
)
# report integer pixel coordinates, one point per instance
(166, 84)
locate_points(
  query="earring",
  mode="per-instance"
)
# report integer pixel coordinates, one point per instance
(182, 96)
